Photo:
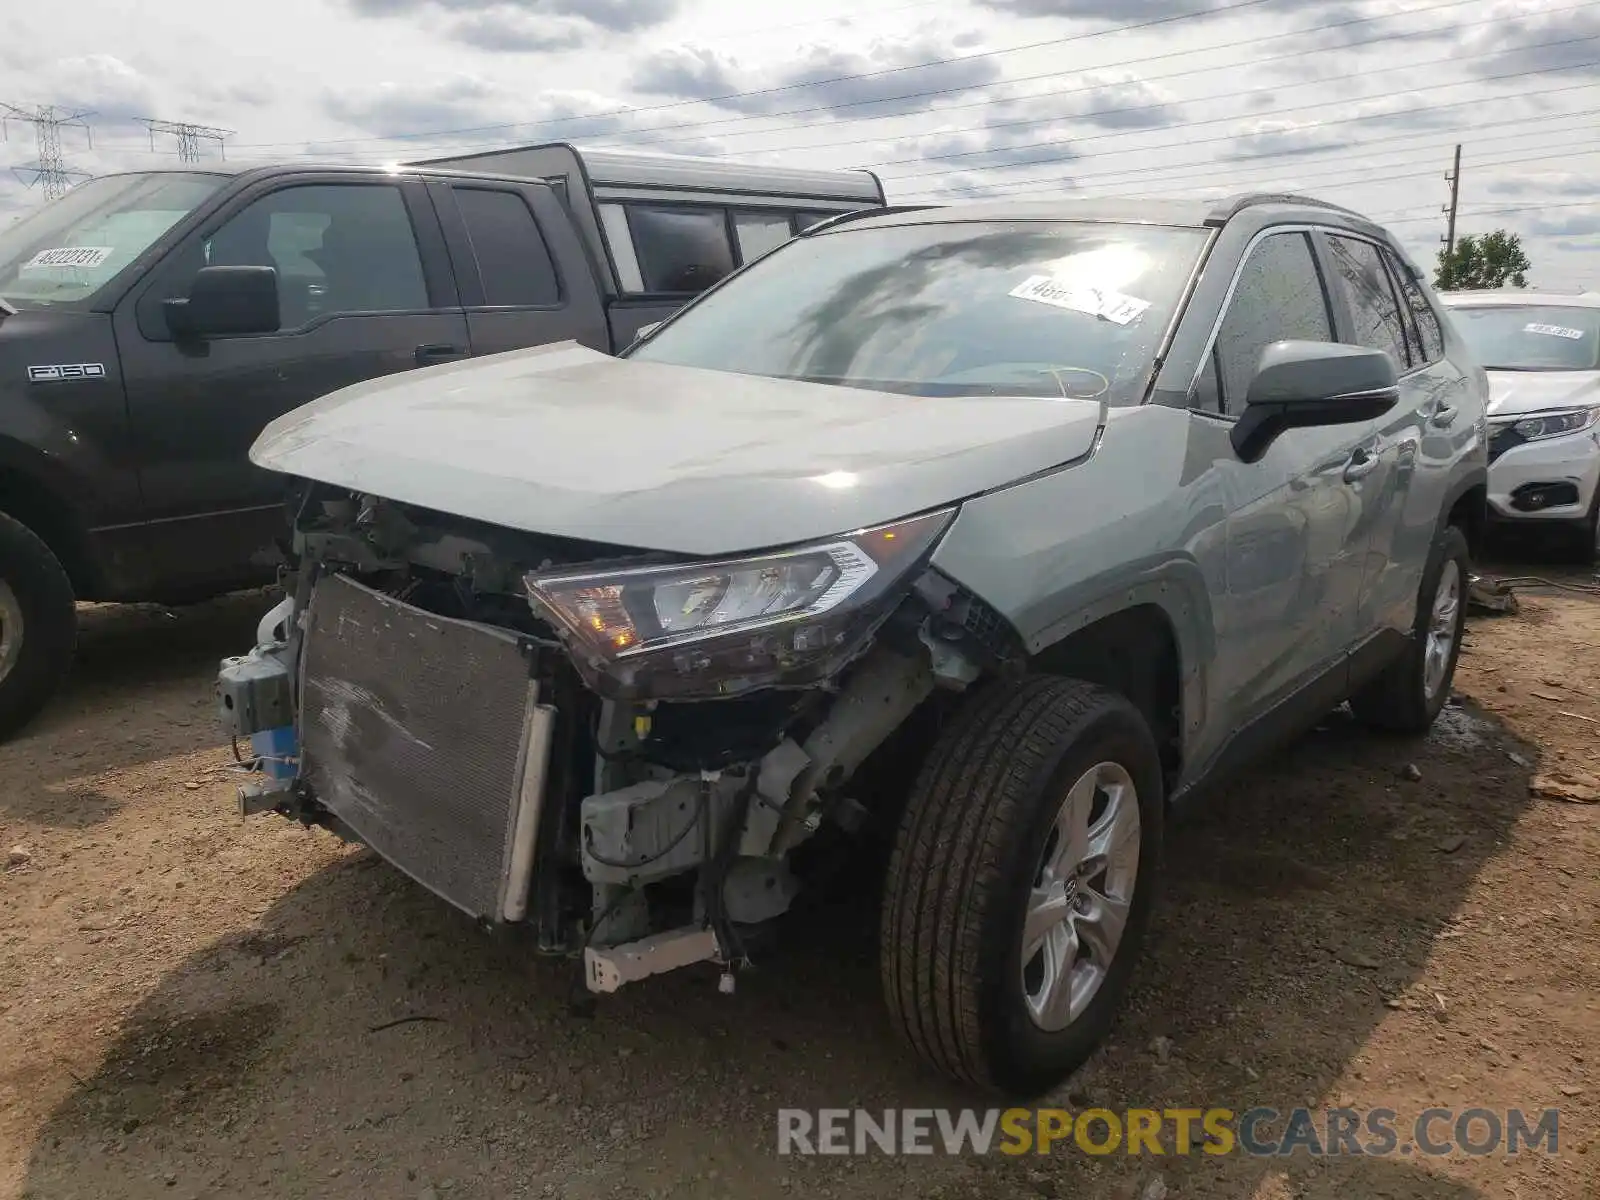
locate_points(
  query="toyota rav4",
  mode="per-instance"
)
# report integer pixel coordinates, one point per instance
(1048, 513)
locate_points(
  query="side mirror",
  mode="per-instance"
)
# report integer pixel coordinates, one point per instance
(224, 301)
(1301, 384)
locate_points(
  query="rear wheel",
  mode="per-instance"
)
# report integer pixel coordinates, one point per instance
(1409, 694)
(1021, 882)
(38, 624)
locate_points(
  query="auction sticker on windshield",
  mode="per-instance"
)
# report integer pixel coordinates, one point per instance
(68, 256)
(1560, 331)
(1097, 302)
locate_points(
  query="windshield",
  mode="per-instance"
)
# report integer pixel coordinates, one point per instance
(64, 251)
(1054, 309)
(1534, 337)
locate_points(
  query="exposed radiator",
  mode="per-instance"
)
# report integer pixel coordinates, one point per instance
(416, 732)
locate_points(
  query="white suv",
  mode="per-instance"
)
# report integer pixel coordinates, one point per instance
(1542, 353)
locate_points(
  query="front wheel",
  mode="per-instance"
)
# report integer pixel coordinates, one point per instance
(1409, 694)
(38, 624)
(1021, 883)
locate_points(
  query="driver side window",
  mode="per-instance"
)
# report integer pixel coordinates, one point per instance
(1279, 297)
(337, 248)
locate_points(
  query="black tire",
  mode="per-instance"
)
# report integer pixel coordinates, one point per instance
(43, 594)
(1586, 537)
(1398, 701)
(964, 862)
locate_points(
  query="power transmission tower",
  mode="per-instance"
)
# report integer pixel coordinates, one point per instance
(1454, 180)
(189, 137)
(50, 171)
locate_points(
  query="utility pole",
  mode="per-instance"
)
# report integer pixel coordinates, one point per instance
(50, 171)
(1454, 179)
(189, 137)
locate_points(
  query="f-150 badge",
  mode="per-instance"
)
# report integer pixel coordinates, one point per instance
(66, 371)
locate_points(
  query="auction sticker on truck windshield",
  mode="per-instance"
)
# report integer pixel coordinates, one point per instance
(68, 256)
(1560, 331)
(1097, 302)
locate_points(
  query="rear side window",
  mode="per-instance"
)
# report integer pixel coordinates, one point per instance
(1279, 297)
(1360, 274)
(1423, 318)
(760, 232)
(513, 260)
(680, 249)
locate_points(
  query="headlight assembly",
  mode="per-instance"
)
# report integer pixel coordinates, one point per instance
(718, 628)
(1554, 424)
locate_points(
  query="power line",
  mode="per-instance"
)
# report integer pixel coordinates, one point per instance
(1187, 180)
(189, 136)
(1267, 158)
(50, 171)
(1228, 137)
(1317, 105)
(1395, 219)
(702, 126)
(809, 83)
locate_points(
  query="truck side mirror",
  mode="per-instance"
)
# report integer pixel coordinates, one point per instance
(224, 301)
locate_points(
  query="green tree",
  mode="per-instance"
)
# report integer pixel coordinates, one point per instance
(1483, 262)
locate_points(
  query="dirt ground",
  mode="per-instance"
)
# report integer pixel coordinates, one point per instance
(194, 1005)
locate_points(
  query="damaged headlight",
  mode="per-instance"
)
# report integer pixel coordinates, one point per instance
(717, 628)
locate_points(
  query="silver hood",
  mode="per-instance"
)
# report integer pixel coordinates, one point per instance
(1516, 393)
(571, 442)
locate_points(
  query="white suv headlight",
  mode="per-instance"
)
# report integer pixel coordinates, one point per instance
(1555, 424)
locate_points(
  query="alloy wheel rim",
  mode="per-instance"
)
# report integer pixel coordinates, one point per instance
(10, 629)
(1081, 896)
(1442, 622)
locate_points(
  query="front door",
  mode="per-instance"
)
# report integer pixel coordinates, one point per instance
(364, 290)
(1294, 534)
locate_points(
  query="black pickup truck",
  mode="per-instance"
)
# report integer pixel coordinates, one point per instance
(152, 323)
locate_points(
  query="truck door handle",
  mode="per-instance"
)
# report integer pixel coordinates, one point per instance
(1443, 415)
(439, 352)
(1361, 464)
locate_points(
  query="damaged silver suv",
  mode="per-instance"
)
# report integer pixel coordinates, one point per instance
(999, 529)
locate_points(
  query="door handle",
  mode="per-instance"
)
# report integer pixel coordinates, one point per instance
(439, 352)
(1361, 464)
(1443, 415)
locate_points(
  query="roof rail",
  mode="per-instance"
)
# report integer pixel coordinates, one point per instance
(858, 213)
(1227, 209)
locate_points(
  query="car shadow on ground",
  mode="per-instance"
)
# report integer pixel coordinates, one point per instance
(157, 654)
(363, 1039)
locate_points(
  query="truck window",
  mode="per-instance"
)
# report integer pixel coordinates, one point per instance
(337, 248)
(680, 249)
(760, 232)
(513, 260)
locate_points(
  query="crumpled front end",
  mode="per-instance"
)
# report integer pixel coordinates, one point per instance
(623, 751)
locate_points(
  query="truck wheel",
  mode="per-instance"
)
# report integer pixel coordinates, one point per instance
(1021, 882)
(1409, 694)
(38, 625)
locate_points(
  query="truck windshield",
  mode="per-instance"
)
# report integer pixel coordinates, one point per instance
(64, 251)
(1544, 337)
(1051, 309)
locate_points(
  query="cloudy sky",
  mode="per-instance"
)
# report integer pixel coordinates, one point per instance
(1359, 101)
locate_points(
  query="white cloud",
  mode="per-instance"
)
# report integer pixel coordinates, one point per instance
(1086, 107)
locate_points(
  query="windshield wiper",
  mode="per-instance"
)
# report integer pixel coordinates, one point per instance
(7, 309)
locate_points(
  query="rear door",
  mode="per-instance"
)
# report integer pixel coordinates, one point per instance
(524, 276)
(1410, 447)
(364, 290)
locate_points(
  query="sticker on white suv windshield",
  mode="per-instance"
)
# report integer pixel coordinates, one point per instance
(1555, 331)
(1097, 302)
(68, 256)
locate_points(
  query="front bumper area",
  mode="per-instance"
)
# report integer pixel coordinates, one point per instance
(1553, 479)
(426, 736)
